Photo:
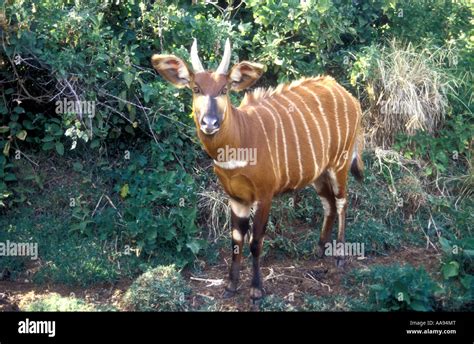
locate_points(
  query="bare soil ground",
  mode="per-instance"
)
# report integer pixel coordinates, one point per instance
(288, 278)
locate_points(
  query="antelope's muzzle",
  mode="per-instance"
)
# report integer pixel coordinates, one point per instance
(210, 120)
(210, 125)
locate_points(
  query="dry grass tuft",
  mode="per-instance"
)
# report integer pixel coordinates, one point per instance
(214, 208)
(467, 183)
(407, 91)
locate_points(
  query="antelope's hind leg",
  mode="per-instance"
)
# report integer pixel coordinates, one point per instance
(240, 218)
(338, 180)
(324, 189)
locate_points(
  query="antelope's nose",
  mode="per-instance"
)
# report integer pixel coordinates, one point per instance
(210, 125)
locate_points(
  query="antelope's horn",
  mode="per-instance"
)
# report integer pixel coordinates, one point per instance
(195, 61)
(224, 66)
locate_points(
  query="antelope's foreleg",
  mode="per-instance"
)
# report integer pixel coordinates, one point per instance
(256, 243)
(240, 225)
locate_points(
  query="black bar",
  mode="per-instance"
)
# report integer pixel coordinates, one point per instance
(314, 327)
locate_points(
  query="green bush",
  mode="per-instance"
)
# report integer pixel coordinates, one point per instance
(274, 303)
(395, 287)
(332, 303)
(458, 261)
(159, 289)
(57, 303)
(159, 207)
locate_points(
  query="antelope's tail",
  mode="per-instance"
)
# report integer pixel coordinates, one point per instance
(357, 165)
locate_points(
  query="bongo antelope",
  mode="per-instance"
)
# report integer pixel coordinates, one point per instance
(305, 133)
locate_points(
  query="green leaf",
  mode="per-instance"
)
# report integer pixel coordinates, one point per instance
(6, 149)
(377, 287)
(194, 246)
(28, 125)
(124, 191)
(95, 143)
(48, 146)
(77, 166)
(468, 282)
(18, 109)
(129, 129)
(10, 177)
(48, 138)
(60, 148)
(4, 129)
(450, 269)
(122, 95)
(21, 135)
(445, 244)
(469, 253)
(128, 78)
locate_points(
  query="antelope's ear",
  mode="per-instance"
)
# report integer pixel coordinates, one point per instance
(173, 69)
(245, 74)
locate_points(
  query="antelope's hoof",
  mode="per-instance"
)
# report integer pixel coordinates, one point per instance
(256, 295)
(340, 261)
(229, 293)
(320, 251)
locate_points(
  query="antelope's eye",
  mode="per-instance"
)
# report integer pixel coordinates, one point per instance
(196, 89)
(224, 90)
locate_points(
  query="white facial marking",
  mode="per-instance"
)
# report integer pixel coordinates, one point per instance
(203, 106)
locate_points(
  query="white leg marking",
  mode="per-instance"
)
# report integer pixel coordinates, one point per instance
(250, 238)
(333, 180)
(326, 206)
(237, 236)
(239, 209)
(340, 203)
